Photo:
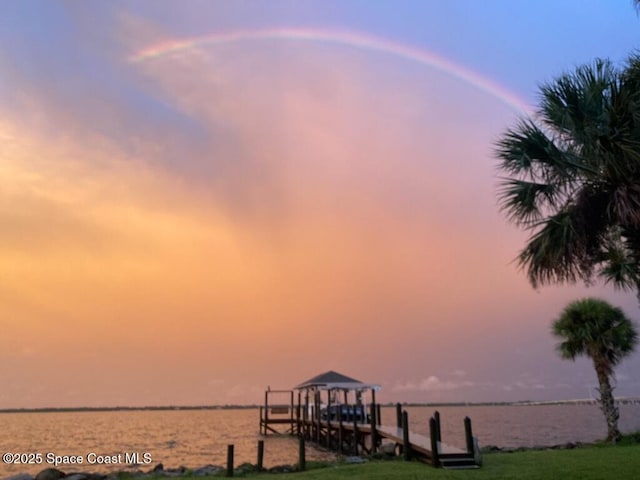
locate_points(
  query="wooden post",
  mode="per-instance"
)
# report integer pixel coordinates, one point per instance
(406, 446)
(355, 434)
(260, 455)
(266, 418)
(298, 411)
(340, 431)
(329, 419)
(378, 414)
(318, 417)
(305, 415)
(229, 460)
(302, 459)
(468, 434)
(433, 433)
(266, 411)
(312, 422)
(398, 415)
(297, 432)
(436, 416)
(373, 422)
(291, 417)
(261, 420)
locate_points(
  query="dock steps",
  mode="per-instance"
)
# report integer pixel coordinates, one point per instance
(458, 463)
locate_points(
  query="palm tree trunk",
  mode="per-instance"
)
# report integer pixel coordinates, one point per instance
(607, 403)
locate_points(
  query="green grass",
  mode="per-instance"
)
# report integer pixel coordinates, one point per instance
(599, 461)
(591, 463)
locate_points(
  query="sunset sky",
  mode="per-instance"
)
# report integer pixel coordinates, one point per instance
(202, 198)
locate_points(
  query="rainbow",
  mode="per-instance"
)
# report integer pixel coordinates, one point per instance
(350, 39)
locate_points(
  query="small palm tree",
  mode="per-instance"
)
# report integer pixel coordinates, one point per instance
(596, 329)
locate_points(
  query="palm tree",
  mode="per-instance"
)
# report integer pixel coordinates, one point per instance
(572, 177)
(603, 333)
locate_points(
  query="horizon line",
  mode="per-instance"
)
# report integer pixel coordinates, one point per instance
(229, 406)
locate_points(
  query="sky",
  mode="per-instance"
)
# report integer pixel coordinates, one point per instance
(201, 199)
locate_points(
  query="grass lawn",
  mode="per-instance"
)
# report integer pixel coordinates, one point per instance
(592, 463)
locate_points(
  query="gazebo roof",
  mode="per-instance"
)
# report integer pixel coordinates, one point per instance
(333, 380)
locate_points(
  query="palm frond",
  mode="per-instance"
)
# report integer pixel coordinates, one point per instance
(552, 254)
(525, 202)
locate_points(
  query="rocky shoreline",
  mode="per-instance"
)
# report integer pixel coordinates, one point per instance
(561, 446)
(216, 470)
(159, 471)
(156, 472)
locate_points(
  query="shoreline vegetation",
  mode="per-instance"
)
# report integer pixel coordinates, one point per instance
(583, 401)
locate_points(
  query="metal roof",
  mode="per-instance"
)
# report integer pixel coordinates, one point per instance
(331, 380)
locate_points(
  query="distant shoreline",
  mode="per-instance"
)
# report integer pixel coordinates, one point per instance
(622, 401)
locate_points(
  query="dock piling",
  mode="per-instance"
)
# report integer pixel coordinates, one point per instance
(260, 455)
(229, 460)
(433, 433)
(406, 446)
(468, 434)
(436, 417)
(355, 435)
(373, 423)
(302, 457)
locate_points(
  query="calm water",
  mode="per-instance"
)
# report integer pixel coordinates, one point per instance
(196, 438)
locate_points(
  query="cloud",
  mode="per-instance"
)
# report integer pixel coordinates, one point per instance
(224, 204)
(432, 384)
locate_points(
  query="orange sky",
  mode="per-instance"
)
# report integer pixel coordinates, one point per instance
(282, 220)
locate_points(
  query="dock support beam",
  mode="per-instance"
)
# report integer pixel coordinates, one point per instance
(260, 455)
(229, 460)
(468, 435)
(373, 424)
(433, 431)
(302, 455)
(406, 446)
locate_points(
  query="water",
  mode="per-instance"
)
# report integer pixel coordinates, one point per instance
(198, 437)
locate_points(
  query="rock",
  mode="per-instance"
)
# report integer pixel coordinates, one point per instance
(158, 468)
(490, 448)
(20, 476)
(50, 474)
(92, 476)
(281, 469)
(77, 476)
(246, 468)
(170, 472)
(354, 460)
(207, 470)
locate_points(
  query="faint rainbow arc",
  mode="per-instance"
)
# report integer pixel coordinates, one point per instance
(357, 40)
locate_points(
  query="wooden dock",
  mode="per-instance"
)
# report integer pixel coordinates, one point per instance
(355, 437)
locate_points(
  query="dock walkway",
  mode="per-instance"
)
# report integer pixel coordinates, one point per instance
(357, 437)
